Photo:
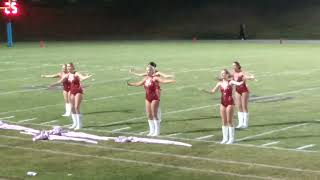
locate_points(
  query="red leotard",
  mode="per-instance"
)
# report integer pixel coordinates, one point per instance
(226, 96)
(66, 85)
(65, 82)
(75, 86)
(238, 76)
(152, 89)
(158, 84)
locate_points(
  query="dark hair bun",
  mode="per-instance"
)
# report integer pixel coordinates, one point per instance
(152, 64)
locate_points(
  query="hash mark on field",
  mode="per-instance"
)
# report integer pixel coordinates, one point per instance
(270, 143)
(120, 129)
(26, 120)
(49, 122)
(9, 117)
(305, 147)
(205, 137)
(175, 134)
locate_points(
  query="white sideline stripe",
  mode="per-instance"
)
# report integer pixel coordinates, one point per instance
(67, 125)
(317, 120)
(120, 129)
(109, 97)
(15, 79)
(297, 91)
(187, 139)
(205, 137)
(19, 91)
(270, 143)
(26, 120)
(40, 89)
(186, 70)
(108, 81)
(276, 148)
(27, 68)
(9, 117)
(171, 112)
(93, 83)
(49, 122)
(250, 164)
(305, 147)
(175, 134)
(144, 132)
(270, 132)
(138, 162)
(28, 109)
(135, 93)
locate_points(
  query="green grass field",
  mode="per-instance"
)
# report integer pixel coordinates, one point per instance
(284, 111)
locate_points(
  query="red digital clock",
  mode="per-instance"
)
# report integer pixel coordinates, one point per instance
(10, 7)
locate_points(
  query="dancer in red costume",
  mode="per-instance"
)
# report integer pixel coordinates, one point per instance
(76, 93)
(226, 107)
(157, 73)
(151, 85)
(66, 88)
(241, 94)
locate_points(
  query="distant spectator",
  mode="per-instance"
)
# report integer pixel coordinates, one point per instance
(242, 34)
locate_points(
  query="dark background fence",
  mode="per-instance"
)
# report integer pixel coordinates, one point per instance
(164, 19)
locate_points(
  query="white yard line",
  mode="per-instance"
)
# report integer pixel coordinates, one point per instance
(275, 148)
(49, 122)
(21, 91)
(270, 132)
(250, 164)
(15, 79)
(144, 132)
(40, 89)
(270, 143)
(107, 81)
(27, 120)
(305, 147)
(120, 129)
(171, 135)
(137, 162)
(205, 137)
(89, 100)
(67, 125)
(9, 117)
(31, 109)
(170, 112)
(110, 97)
(28, 68)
